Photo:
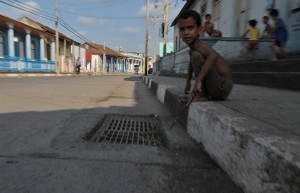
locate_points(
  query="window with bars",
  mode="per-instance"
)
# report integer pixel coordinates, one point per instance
(20, 47)
(217, 13)
(216, 1)
(1, 44)
(33, 49)
(203, 8)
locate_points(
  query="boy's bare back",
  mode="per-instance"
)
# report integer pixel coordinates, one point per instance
(221, 65)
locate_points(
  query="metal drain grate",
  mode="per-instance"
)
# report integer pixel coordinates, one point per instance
(128, 129)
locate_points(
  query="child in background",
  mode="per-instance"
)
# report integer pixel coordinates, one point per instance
(281, 34)
(268, 31)
(208, 26)
(213, 75)
(253, 39)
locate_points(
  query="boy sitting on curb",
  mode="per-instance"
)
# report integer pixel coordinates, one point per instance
(213, 75)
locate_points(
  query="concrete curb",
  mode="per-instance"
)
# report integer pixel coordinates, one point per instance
(261, 158)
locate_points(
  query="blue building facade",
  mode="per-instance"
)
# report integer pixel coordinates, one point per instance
(25, 49)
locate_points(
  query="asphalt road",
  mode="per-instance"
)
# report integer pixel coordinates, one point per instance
(43, 124)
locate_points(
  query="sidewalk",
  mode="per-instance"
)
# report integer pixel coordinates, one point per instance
(36, 74)
(31, 74)
(254, 135)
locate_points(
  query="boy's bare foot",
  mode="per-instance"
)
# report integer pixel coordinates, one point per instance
(186, 98)
(200, 98)
(274, 59)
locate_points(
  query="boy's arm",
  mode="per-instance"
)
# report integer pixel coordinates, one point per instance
(263, 33)
(188, 79)
(190, 72)
(245, 33)
(277, 25)
(211, 57)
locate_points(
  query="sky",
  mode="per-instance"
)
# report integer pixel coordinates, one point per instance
(119, 24)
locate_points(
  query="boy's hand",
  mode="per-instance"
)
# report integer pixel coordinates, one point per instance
(197, 90)
(187, 88)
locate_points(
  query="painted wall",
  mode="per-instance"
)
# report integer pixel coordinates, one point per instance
(231, 49)
(19, 62)
(234, 16)
(169, 48)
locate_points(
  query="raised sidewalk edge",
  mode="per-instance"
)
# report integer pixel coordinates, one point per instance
(258, 156)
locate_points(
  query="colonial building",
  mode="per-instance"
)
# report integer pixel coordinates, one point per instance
(231, 17)
(24, 48)
(104, 59)
(29, 46)
(69, 49)
(134, 61)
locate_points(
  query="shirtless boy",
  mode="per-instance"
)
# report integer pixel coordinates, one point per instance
(212, 73)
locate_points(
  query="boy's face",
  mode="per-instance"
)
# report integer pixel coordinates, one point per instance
(188, 30)
(208, 18)
(265, 20)
(273, 17)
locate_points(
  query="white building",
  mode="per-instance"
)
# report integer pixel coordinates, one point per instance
(231, 17)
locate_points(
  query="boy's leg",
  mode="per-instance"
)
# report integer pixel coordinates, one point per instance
(282, 49)
(255, 49)
(248, 50)
(247, 54)
(272, 48)
(283, 53)
(218, 87)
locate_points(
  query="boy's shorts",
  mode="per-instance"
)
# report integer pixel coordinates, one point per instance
(253, 44)
(217, 86)
(280, 44)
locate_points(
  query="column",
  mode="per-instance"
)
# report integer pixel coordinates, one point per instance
(28, 45)
(104, 62)
(11, 44)
(111, 64)
(209, 8)
(42, 48)
(228, 11)
(52, 50)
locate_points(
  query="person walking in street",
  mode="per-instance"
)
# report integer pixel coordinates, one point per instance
(213, 75)
(281, 34)
(77, 66)
(253, 32)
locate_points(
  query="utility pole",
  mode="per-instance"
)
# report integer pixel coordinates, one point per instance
(147, 31)
(57, 40)
(166, 18)
(104, 59)
(154, 36)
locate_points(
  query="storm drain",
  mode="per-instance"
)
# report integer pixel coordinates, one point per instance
(128, 129)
